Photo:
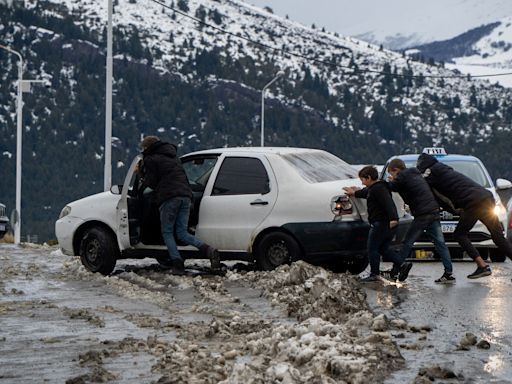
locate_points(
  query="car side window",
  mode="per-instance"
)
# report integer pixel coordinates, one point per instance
(198, 171)
(241, 176)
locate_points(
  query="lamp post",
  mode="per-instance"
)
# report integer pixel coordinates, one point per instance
(19, 108)
(108, 105)
(278, 75)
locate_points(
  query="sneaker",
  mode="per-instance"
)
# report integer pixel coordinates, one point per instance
(370, 279)
(405, 268)
(388, 275)
(480, 272)
(447, 278)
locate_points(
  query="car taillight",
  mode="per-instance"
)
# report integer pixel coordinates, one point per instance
(510, 222)
(341, 205)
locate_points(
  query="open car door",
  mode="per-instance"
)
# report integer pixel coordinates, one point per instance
(128, 230)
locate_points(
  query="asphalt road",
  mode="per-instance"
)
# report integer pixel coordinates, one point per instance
(482, 307)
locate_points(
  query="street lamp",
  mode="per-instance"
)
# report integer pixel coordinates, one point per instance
(23, 86)
(19, 107)
(278, 75)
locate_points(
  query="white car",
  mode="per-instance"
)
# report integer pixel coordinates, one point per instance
(473, 168)
(269, 205)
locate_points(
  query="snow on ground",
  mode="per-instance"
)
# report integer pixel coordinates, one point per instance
(298, 324)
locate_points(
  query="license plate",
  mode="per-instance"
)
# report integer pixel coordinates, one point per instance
(2, 227)
(448, 228)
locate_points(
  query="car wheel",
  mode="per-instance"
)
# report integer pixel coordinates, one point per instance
(98, 251)
(497, 256)
(276, 249)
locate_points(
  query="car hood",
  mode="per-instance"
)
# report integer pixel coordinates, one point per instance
(95, 207)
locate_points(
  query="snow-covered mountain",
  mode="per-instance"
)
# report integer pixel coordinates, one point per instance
(482, 50)
(397, 24)
(410, 23)
(173, 40)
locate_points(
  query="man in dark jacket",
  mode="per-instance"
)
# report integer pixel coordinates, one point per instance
(416, 193)
(162, 171)
(383, 219)
(476, 202)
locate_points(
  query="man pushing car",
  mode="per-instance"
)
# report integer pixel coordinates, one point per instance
(459, 192)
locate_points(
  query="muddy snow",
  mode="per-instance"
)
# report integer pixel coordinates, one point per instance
(297, 324)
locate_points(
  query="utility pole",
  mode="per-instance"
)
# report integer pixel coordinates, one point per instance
(108, 104)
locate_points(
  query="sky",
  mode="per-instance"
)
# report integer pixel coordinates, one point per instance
(430, 19)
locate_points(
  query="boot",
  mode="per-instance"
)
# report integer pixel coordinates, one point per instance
(212, 254)
(178, 267)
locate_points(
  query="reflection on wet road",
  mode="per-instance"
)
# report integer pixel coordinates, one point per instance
(482, 307)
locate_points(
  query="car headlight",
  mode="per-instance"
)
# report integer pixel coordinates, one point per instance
(65, 211)
(341, 205)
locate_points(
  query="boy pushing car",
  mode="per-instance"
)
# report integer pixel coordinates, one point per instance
(383, 219)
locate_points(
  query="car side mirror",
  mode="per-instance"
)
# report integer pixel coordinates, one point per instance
(503, 184)
(116, 189)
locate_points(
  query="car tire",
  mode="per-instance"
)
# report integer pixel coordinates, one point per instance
(98, 251)
(496, 256)
(275, 249)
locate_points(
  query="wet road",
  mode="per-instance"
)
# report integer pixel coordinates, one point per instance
(482, 307)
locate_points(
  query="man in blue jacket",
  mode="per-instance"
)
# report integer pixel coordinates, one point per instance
(476, 202)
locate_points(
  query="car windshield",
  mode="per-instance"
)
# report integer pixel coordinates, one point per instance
(471, 169)
(319, 167)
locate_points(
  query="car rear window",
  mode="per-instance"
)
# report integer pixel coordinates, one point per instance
(319, 167)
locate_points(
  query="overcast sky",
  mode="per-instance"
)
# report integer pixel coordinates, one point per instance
(439, 19)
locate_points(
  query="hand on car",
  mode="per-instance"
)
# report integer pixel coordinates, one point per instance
(351, 190)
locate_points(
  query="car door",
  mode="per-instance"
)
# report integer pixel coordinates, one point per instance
(239, 197)
(127, 220)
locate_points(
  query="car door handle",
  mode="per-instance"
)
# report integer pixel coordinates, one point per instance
(259, 202)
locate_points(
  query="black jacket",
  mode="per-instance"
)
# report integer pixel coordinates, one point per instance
(415, 192)
(458, 188)
(381, 206)
(162, 171)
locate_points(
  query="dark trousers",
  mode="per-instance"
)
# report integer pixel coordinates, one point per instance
(379, 240)
(483, 211)
(432, 227)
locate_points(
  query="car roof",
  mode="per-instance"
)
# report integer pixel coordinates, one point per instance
(453, 157)
(260, 150)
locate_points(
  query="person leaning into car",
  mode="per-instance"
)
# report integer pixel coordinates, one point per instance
(162, 171)
(383, 219)
(477, 203)
(416, 193)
